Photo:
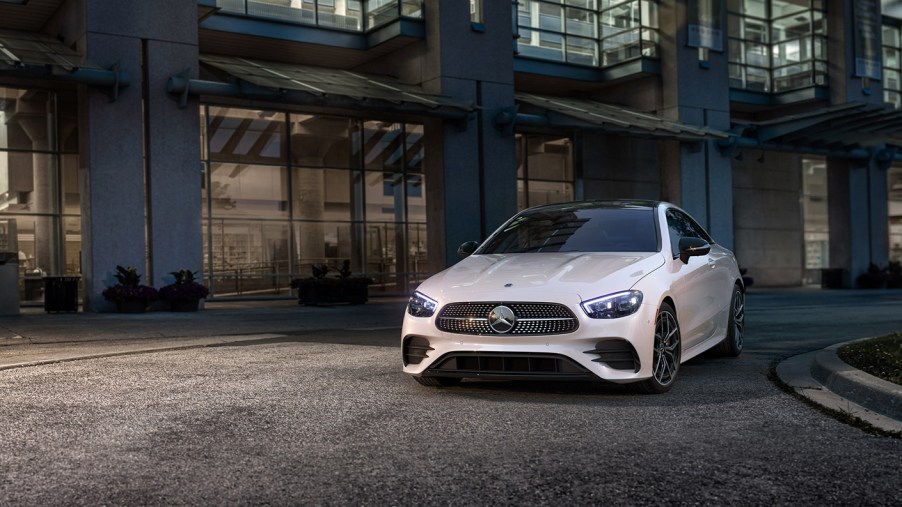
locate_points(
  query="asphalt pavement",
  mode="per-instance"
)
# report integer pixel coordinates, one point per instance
(809, 364)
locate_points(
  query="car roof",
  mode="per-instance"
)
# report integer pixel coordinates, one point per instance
(595, 204)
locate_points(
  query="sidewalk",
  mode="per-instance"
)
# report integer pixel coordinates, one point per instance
(36, 337)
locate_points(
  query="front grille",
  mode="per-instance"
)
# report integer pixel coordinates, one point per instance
(509, 365)
(532, 318)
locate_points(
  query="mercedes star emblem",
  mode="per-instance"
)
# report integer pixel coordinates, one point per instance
(502, 319)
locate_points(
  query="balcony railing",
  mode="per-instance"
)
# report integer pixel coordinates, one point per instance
(350, 15)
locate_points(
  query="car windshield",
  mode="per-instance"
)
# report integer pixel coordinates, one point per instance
(599, 229)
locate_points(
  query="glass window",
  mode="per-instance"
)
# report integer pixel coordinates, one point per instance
(242, 190)
(39, 190)
(338, 14)
(894, 185)
(320, 208)
(681, 225)
(544, 170)
(784, 40)
(892, 66)
(576, 229)
(247, 258)
(323, 141)
(476, 14)
(246, 135)
(576, 30)
(815, 218)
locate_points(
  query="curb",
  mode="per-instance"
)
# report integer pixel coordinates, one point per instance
(866, 390)
(824, 379)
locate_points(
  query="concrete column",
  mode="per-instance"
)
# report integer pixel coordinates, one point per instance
(696, 91)
(140, 173)
(857, 193)
(174, 170)
(473, 163)
(857, 196)
(111, 174)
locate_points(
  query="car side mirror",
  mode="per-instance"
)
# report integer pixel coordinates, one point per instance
(691, 247)
(467, 249)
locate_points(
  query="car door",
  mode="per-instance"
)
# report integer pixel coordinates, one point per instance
(693, 283)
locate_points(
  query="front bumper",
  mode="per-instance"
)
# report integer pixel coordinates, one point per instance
(616, 350)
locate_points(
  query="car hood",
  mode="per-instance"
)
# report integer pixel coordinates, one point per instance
(527, 276)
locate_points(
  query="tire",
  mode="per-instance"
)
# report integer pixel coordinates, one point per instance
(666, 355)
(438, 381)
(732, 343)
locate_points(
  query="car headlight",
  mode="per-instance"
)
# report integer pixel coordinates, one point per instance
(420, 305)
(613, 306)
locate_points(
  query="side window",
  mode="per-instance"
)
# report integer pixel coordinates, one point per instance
(680, 225)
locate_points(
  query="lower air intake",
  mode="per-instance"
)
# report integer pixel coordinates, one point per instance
(510, 366)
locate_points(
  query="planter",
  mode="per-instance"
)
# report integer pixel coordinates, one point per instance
(184, 305)
(316, 291)
(131, 306)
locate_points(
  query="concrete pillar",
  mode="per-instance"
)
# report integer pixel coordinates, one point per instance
(140, 173)
(471, 164)
(857, 197)
(695, 90)
(856, 189)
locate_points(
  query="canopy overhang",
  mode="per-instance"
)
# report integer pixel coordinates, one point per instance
(851, 130)
(590, 115)
(35, 55)
(315, 86)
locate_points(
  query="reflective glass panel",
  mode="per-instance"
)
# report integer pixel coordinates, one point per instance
(246, 135)
(582, 51)
(581, 22)
(339, 14)
(248, 190)
(247, 258)
(24, 119)
(414, 147)
(321, 194)
(383, 145)
(323, 141)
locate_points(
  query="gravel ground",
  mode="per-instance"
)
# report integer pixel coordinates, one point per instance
(303, 422)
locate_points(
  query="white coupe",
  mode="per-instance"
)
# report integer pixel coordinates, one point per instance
(622, 291)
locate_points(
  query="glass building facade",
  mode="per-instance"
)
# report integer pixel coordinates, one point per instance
(587, 32)
(284, 192)
(544, 170)
(353, 15)
(39, 183)
(777, 45)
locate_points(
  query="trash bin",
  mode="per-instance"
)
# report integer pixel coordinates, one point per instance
(9, 267)
(9, 283)
(832, 278)
(61, 293)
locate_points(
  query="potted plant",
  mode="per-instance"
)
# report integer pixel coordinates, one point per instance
(129, 294)
(342, 287)
(894, 279)
(185, 293)
(874, 278)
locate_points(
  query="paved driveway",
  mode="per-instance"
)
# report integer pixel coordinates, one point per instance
(327, 418)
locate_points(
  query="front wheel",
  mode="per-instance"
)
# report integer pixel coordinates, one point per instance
(666, 356)
(732, 343)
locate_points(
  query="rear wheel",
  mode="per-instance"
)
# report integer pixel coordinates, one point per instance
(666, 355)
(733, 341)
(438, 381)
